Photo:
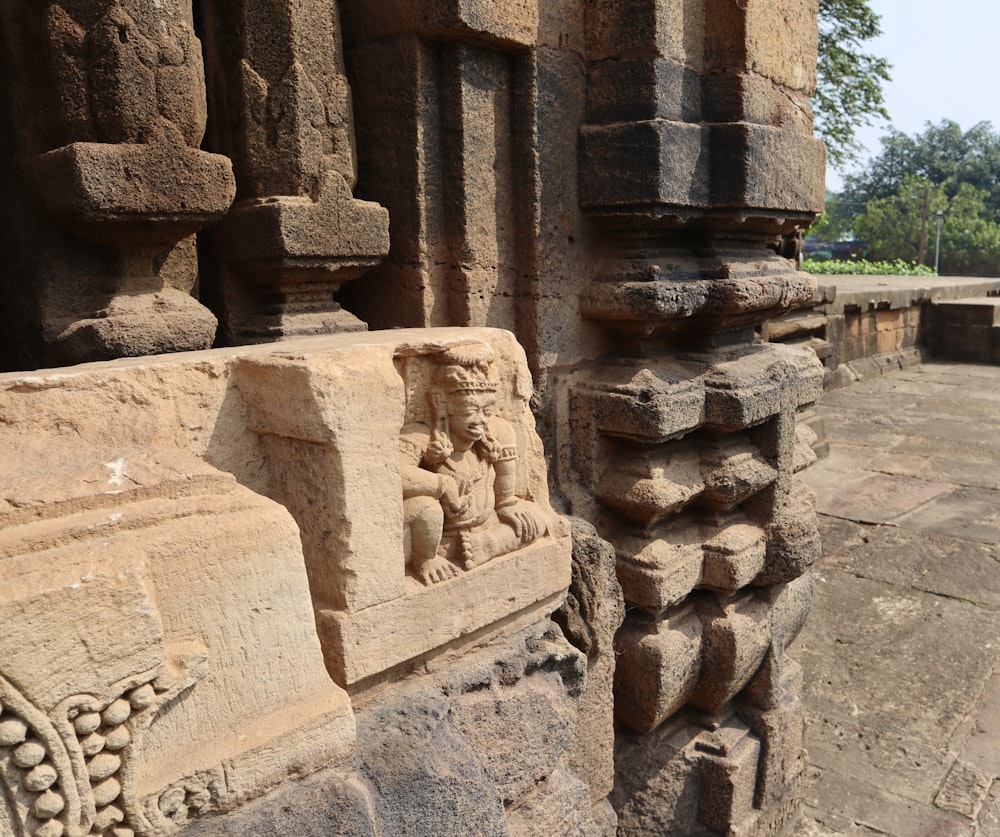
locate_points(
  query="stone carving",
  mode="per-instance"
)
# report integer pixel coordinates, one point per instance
(126, 76)
(296, 234)
(107, 139)
(69, 772)
(460, 506)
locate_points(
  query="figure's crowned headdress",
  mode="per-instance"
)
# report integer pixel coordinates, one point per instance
(465, 367)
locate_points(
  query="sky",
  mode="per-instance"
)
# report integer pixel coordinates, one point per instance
(946, 61)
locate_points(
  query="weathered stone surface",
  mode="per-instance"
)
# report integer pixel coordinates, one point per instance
(320, 805)
(432, 758)
(615, 181)
(141, 575)
(284, 115)
(589, 618)
(695, 775)
(436, 756)
(119, 516)
(108, 150)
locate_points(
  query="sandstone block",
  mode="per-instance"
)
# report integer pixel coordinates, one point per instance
(514, 23)
(128, 595)
(659, 665)
(636, 89)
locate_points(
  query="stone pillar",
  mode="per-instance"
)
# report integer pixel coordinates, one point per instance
(282, 111)
(447, 126)
(697, 158)
(103, 135)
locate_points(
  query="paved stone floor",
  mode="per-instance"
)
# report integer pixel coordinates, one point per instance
(901, 654)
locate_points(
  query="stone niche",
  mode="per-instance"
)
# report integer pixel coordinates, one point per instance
(160, 656)
(330, 427)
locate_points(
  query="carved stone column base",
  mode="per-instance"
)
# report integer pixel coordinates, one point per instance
(140, 194)
(136, 324)
(696, 291)
(135, 202)
(285, 258)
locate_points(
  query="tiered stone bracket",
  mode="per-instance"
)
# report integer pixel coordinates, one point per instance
(682, 445)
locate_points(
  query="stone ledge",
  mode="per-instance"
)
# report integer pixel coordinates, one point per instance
(368, 642)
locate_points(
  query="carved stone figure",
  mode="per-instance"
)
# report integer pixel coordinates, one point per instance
(460, 507)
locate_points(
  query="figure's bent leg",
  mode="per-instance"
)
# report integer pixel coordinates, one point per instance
(424, 521)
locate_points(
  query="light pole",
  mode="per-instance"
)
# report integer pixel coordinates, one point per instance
(937, 243)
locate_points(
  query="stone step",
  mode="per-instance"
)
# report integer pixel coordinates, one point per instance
(968, 329)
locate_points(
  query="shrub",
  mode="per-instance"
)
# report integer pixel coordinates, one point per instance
(863, 267)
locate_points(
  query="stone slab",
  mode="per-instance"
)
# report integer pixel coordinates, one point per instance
(361, 644)
(971, 513)
(879, 498)
(873, 699)
(841, 805)
(945, 566)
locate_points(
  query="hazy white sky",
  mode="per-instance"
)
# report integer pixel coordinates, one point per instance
(946, 65)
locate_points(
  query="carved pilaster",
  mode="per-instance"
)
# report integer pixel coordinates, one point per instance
(447, 131)
(105, 151)
(283, 113)
(697, 158)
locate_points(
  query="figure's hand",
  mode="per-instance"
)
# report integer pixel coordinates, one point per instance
(453, 499)
(525, 518)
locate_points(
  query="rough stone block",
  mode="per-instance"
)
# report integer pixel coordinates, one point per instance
(653, 163)
(657, 781)
(437, 761)
(737, 634)
(101, 190)
(659, 666)
(655, 573)
(590, 618)
(728, 769)
(758, 165)
(643, 26)
(694, 298)
(636, 89)
(506, 24)
(328, 465)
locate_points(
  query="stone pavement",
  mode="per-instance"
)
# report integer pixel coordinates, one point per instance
(901, 654)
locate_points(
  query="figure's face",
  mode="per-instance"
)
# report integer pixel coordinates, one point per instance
(467, 417)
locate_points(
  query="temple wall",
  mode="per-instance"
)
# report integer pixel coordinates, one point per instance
(387, 429)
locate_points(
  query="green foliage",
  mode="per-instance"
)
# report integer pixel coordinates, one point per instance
(943, 155)
(970, 239)
(863, 267)
(950, 171)
(849, 80)
(834, 224)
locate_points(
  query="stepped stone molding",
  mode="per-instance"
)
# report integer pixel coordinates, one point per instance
(680, 444)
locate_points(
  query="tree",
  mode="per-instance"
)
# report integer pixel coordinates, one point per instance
(943, 155)
(849, 80)
(893, 226)
(834, 224)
